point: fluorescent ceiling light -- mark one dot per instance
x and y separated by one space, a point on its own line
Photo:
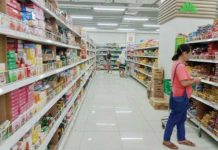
151 25
125 29
89 28
107 24
108 9
135 19
158 30
82 17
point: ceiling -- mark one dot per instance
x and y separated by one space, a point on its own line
133 8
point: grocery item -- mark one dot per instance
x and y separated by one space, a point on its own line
2 74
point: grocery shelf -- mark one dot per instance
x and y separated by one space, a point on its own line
14 138
142 64
60 119
15 85
203 41
200 126
109 50
143 73
70 126
24 36
91 50
155 57
204 60
193 119
101 54
210 82
208 103
147 48
52 14
139 81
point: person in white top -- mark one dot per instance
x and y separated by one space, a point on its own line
122 63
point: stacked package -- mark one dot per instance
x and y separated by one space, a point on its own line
34 17
156 92
157 83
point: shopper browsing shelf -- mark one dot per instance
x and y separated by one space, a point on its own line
108 61
179 99
122 64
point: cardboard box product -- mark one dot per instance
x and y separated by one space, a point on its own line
157 94
158 74
159 103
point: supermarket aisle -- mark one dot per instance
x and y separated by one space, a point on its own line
117 116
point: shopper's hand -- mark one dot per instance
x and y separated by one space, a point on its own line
197 80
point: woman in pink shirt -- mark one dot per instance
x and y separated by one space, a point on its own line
179 99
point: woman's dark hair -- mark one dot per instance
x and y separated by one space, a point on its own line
181 49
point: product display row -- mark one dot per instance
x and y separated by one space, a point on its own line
204 64
143 66
40 96
142 60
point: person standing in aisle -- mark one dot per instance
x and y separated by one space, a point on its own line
179 99
122 64
108 61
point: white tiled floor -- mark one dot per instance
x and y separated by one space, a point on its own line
116 115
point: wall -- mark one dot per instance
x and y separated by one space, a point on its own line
142 36
102 37
112 37
168 33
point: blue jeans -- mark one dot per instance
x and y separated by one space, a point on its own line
178 115
178 120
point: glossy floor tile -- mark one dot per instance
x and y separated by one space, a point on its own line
116 115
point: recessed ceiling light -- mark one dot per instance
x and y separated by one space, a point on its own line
151 25
82 17
108 9
107 24
135 19
89 28
125 29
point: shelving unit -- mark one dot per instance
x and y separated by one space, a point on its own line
141 82
101 53
204 105
63 114
72 60
137 66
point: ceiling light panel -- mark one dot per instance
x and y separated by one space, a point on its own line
126 29
107 24
82 17
89 28
151 25
135 19
109 9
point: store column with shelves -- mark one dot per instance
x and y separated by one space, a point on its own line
43 73
142 60
171 25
